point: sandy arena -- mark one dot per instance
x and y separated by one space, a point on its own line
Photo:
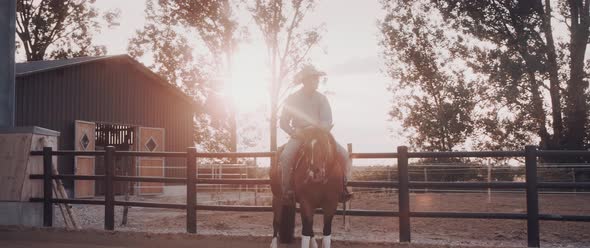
376 230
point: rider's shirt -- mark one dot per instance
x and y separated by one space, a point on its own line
302 110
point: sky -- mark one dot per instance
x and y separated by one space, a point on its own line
349 53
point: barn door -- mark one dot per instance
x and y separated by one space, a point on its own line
150 140
84 165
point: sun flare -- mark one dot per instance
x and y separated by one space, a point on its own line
247 86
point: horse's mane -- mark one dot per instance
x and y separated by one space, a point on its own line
324 137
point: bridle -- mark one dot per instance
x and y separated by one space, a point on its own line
316 167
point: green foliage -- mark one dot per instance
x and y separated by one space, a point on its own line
518 64
212 20
520 83
163 42
432 95
170 52
59 29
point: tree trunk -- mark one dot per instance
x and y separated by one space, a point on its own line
538 112
233 126
273 99
576 99
34 55
552 68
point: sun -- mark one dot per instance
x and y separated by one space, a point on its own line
247 85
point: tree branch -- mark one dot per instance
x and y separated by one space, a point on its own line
290 31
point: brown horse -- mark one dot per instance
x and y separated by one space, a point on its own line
318 183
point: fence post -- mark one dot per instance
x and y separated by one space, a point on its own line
109 195
347 220
425 178
191 191
219 173
403 194
47 187
349 147
574 178
532 197
489 181
255 186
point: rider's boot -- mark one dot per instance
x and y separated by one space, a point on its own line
346 194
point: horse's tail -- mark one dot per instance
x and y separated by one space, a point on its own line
287 230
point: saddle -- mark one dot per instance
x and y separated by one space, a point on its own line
298 159
275 172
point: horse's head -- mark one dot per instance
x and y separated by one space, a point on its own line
319 150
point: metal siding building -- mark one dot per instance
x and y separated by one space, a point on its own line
107 89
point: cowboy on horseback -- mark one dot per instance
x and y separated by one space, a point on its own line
303 109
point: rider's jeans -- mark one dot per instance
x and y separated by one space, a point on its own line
287 161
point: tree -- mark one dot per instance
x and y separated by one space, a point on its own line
433 98
288 45
171 53
60 29
577 96
510 50
218 29
524 30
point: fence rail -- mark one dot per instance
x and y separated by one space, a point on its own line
403 185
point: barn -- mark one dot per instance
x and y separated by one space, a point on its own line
95 102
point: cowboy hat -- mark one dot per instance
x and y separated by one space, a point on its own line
306 72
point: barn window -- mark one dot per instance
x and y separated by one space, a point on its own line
117 135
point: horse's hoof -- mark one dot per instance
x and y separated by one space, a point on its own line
273 243
305 241
313 242
327 241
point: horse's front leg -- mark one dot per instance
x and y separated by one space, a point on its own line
276 222
307 223
327 240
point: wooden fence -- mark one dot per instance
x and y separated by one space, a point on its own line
531 185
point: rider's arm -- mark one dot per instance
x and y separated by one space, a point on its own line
325 114
285 119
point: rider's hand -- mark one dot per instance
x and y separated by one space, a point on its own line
298 133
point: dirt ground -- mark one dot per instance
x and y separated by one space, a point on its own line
18 237
429 231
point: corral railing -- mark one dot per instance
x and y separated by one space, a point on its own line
532 215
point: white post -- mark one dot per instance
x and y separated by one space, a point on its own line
389 176
220 176
256 195
240 186
255 186
212 187
489 180
425 178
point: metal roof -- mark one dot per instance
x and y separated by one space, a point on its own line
33 67
27 68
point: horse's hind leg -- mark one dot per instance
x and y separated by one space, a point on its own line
327 240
